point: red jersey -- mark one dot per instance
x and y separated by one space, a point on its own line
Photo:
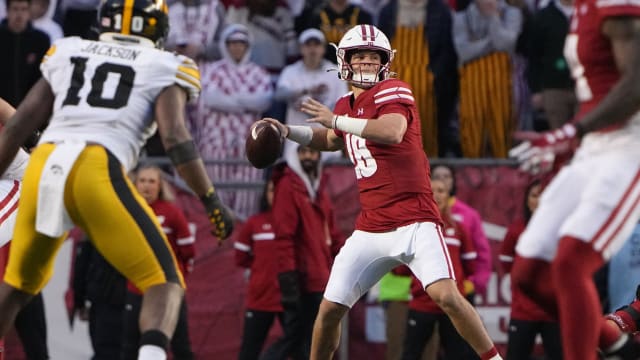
393 179
589 52
176 228
463 255
522 307
255 249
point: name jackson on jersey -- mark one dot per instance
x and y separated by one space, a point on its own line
118 52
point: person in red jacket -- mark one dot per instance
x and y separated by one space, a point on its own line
424 313
308 239
254 249
148 180
528 319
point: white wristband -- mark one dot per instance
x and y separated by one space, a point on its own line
300 134
348 124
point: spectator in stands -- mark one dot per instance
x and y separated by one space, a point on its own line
421 32
424 313
99 296
151 186
42 22
271 25
523 109
23 48
196 26
471 221
549 78
373 7
296 6
528 320
308 240
79 17
485 36
255 249
308 77
334 19
235 92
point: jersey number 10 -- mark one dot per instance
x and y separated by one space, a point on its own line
95 97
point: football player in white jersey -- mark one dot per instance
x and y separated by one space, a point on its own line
102 100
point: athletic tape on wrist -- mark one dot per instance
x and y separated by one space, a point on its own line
300 134
348 124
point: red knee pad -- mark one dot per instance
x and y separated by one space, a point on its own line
627 318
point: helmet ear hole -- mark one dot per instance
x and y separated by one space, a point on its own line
347 56
384 57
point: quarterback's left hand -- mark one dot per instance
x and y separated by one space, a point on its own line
538 151
321 113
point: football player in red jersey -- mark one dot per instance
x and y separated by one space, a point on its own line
399 223
592 205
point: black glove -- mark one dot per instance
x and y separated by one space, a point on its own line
289 282
219 216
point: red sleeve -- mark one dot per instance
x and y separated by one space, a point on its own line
611 8
393 92
467 251
244 244
185 241
508 248
286 221
395 108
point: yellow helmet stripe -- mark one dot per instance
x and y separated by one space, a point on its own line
127 13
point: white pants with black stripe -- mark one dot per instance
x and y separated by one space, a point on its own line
367 256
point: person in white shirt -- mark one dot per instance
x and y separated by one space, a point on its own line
310 77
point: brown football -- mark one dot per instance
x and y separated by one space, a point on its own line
263 145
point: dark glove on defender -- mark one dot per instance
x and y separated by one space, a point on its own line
219 215
289 282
